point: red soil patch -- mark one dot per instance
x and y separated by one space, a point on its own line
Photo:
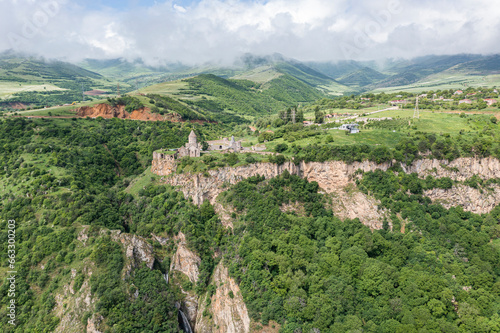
95 92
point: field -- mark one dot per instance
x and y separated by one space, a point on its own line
55 111
310 114
336 89
7 89
260 74
444 81
390 132
165 88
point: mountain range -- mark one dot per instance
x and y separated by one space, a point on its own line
266 83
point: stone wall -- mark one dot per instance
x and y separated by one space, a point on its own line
163 165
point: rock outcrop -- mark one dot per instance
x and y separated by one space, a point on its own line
107 111
94 322
187 262
137 250
229 312
334 176
471 199
202 188
350 203
459 169
72 304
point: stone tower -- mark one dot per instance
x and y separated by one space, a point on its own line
192 148
192 138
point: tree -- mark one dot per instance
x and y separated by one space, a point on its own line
299 118
318 116
281 148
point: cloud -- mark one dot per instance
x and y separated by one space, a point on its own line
180 9
220 30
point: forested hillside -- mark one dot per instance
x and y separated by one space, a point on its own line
57 176
244 97
82 196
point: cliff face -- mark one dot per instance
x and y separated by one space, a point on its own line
107 111
229 312
459 169
137 250
71 305
334 176
163 167
350 203
202 188
471 199
185 260
188 263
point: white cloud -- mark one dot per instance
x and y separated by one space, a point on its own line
180 9
220 30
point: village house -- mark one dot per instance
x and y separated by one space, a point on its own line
490 101
398 102
466 101
352 128
458 92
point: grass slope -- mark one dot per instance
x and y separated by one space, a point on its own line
214 94
39 82
363 77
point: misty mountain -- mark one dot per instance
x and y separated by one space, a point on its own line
363 77
16 67
483 65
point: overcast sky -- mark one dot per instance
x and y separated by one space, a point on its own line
191 31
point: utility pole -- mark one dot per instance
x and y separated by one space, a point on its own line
416 113
293 115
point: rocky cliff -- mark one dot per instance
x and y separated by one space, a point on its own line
479 201
137 250
228 311
187 262
334 176
107 111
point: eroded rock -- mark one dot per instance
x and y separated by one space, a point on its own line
229 312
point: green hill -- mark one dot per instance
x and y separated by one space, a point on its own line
39 82
408 72
363 77
336 70
487 65
214 96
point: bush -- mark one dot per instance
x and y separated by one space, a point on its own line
282 147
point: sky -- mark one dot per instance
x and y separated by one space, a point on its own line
220 31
